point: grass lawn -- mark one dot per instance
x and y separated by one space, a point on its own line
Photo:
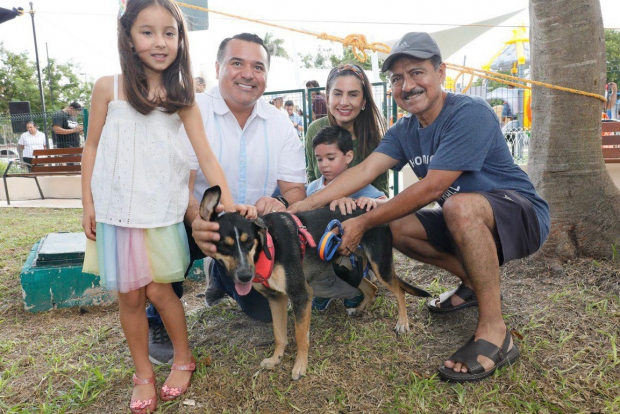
566 324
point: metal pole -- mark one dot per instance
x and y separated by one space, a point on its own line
49 74
36 52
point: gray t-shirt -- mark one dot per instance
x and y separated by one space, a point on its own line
466 136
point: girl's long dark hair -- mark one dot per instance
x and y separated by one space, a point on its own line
177 79
369 125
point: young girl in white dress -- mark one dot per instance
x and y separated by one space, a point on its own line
135 192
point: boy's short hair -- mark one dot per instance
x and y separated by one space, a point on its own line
289 103
334 135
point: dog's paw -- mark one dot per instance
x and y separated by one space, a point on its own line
270 363
299 370
402 327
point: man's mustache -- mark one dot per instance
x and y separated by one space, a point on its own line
406 95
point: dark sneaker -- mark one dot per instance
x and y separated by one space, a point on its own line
321 304
213 294
354 302
161 351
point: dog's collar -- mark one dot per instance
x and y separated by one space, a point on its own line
264 266
304 236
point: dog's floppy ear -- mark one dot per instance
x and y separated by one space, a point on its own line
262 235
210 199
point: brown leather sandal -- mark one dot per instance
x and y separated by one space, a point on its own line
445 305
468 355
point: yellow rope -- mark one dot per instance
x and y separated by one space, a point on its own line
519 82
357 42
359 45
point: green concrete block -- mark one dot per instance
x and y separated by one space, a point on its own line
52 275
196 272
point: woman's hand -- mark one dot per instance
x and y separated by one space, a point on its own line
345 204
246 210
366 203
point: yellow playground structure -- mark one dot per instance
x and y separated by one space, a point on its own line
514 56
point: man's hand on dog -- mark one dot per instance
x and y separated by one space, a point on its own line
205 232
353 230
266 205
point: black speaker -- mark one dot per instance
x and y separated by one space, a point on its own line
20 115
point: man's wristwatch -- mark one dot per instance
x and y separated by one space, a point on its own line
282 200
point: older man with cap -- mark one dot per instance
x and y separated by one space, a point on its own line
487 213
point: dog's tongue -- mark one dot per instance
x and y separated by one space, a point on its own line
243 288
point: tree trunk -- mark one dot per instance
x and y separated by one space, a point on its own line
566 164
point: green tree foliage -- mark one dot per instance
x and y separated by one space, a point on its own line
274 46
612 54
322 59
327 59
349 57
19 82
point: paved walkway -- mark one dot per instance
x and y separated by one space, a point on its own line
47 203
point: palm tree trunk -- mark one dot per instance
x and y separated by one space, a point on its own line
566 164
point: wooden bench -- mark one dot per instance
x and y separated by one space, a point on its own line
45 162
610 142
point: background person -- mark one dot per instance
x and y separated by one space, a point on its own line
612 97
296 120
278 102
319 104
507 115
259 152
200 84
66 130
29 141
489 210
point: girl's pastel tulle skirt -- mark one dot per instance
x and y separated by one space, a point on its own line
130 258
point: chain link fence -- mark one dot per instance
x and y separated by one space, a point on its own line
514 120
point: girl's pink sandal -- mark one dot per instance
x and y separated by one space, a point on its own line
143 406
171 393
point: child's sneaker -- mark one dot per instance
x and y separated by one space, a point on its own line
354 302
320 304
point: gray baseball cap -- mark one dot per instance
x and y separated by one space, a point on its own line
419 45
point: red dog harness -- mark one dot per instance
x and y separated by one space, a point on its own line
264 266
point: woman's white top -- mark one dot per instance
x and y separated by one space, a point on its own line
141 173
31 142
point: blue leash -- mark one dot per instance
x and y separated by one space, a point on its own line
329 243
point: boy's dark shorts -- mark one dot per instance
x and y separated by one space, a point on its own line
515 220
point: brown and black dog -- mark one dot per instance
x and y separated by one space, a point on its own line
242 241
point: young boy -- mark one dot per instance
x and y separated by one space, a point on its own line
333 149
